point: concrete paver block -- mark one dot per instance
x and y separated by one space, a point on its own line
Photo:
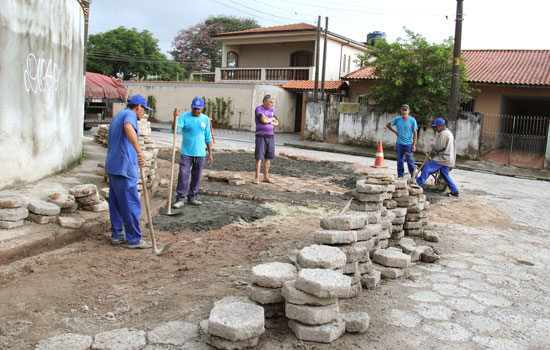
391 258
236 321
344 222
13 214
408 225
8 225
415 208
414 232
396 228
385 234
61 199
371 197
414 251
371 279
407 241
363 187
355 290
431 236
67 341
390 204
40 207
69 222
356 322
365 206
400 193
323 283
389 272
70 209
86 200
296 296
334 237
321 257
355 253
326 333
350 268
365 267
8 201
399 212
83 190
119 339
415 190
273 275
221 343
104 192
368 232
312 315
173 333
97 206
406 201
264 295
400 184
42 219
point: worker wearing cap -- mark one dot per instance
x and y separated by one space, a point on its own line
196 137
406 130
445 156
121 164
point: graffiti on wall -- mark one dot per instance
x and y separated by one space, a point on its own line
41 75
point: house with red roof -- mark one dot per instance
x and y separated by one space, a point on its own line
513 98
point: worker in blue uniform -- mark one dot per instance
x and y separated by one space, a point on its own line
123 156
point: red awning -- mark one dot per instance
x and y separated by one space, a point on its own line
101 86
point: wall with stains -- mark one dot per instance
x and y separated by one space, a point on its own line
366 128
42 88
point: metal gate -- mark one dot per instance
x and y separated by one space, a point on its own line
515 140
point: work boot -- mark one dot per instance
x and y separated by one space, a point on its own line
117 241
194 202
178 205
453 194
141 245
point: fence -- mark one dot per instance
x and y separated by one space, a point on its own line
515 140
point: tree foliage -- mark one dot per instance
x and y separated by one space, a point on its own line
129 53
415 72
194 47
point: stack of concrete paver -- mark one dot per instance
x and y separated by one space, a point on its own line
88 198
266 286
391 262
101 135
42 212
355 233
235 325
68 204
413 225
312 303
13 211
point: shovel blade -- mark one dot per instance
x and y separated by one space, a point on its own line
164 249
170 212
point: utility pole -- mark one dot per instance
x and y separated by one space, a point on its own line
324 60
455 78
316 83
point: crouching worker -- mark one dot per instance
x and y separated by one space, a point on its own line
445 156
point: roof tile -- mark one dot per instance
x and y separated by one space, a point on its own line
514 67
285 28
330 85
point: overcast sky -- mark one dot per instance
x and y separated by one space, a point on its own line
488 24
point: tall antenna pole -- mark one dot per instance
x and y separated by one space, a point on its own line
316 83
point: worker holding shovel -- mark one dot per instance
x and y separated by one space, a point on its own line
196 137
121 164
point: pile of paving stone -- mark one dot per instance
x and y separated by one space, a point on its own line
102 134
87 198
68 204
13 211
235 325
42 212
267 284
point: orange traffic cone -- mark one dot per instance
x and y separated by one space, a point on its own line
379 161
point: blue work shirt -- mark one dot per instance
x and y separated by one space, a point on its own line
405 129
121 155
195 133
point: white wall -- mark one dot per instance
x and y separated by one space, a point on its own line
245 98
367 128
42 88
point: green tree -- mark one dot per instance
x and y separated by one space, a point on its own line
415 72
129 53
194 47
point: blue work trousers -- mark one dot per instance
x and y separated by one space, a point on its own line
188 165
401 150
124 208
431 167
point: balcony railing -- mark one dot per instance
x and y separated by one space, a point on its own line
282 74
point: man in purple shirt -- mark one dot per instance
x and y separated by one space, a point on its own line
265 141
